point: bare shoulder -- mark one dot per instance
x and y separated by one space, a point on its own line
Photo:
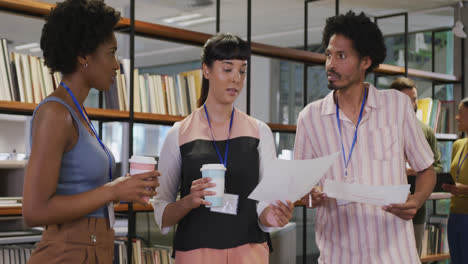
53 117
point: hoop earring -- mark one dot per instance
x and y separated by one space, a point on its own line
85 66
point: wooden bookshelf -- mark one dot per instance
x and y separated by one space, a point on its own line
16 210
13 164
150 30
10 210
282 128
122 207
446 137
439 195
435 257
8 107
432 76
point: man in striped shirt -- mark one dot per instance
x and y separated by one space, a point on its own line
377 131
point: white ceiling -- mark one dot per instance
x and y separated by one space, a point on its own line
275 22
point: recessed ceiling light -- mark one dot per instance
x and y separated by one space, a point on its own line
35 49
27 46
197 21
184 17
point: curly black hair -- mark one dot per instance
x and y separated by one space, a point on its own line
365 35
75 28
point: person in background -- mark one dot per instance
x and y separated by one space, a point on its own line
217 132
408 87
68 186
376 132
457 228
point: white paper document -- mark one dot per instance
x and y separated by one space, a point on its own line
363 193
291 179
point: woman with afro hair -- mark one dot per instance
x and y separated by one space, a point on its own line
68 184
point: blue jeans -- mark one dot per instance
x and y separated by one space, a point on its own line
457 232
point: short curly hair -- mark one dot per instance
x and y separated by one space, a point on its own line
365 35
75 28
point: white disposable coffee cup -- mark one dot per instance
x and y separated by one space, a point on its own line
142 164
216 172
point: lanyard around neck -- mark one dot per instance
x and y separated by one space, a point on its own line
86 118
214 142
346 162
459 159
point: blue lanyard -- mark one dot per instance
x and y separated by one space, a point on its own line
214 142
86 118
355 132
460 165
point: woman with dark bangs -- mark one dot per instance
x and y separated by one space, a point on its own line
217 132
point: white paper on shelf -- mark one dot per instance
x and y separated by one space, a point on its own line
291 179
363 193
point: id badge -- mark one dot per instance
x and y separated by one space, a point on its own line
110 210
230 202
340 202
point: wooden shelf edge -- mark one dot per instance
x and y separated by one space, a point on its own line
26 7
39 9
433 76
11 211
282 128
10 107
110 114
13 164
122 207
443 136
435 257
157 118
439 195
16 107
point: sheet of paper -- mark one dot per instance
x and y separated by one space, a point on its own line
291 179
363 193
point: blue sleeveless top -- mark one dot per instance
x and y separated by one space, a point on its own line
86 166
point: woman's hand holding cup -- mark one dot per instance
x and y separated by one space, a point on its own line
197 192
135 188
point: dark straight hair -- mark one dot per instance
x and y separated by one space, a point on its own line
221 46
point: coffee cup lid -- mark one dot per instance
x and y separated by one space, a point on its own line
142 159
216 166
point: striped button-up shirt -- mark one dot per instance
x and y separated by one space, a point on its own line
388 136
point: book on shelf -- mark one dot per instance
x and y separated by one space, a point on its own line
5 77
445 149
15 254
437 114
156 254
424 110
24 78
435 236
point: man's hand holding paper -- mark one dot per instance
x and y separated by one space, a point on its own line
382 195
290 179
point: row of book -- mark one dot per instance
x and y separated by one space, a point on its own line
438 114
25 78
435 236
19 254
16 254
157 94
153 255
